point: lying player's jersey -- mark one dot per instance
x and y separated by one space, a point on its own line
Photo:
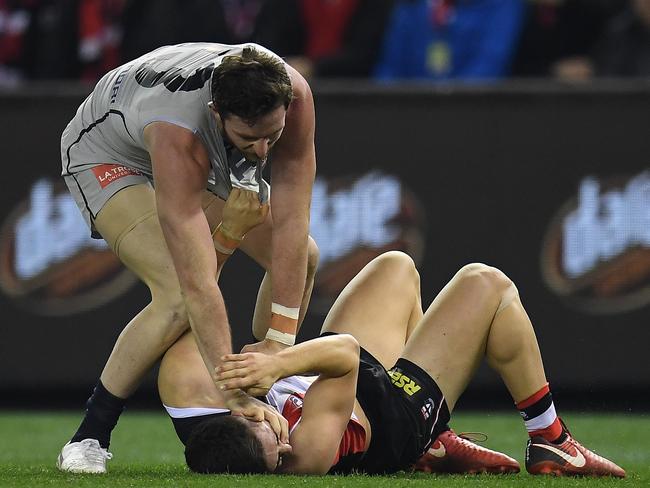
286 396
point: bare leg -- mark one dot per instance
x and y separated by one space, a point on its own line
380 306
478 313
129 224
183 379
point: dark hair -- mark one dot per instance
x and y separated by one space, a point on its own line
224 444
250 85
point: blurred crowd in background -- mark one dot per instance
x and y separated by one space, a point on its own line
437 40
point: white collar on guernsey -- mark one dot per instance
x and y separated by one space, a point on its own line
188 412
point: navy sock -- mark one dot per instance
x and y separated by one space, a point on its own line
103 409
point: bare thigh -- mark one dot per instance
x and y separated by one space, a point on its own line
129 224
257 243
449 342
183 380
378 306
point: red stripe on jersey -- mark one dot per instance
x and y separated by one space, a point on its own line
354 437
353 441
292 409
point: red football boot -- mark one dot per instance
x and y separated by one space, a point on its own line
451 453
569 458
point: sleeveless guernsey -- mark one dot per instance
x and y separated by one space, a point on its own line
171 84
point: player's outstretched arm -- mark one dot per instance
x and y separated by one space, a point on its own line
180 166
293 170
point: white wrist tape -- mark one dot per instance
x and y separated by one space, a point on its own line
282 337
291 313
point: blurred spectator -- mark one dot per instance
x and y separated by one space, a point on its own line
559 36
58 39
625 47
38 39
149 24
14 21
99 36
325 38
450 39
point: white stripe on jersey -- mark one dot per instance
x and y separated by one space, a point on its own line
276 397
187 412
282 389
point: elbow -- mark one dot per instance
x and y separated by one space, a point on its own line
350 350
350 343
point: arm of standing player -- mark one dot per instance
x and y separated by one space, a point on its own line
292 174
180 167
328 402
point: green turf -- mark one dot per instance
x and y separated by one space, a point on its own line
147 453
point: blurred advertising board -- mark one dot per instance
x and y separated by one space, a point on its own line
551 186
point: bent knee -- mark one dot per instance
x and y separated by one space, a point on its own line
400 265
489 278
397 259
172 318
313 256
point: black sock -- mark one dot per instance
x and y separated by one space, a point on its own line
103 409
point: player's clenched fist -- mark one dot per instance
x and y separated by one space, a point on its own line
242 212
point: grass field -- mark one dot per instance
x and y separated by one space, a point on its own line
147 453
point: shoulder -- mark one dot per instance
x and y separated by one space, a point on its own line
163 135
301 111
300 86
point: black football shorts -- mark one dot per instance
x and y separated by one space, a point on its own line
406 410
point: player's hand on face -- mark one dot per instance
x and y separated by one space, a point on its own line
243 212
265 347
251 372
239 403
278 423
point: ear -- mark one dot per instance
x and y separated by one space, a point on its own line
215 113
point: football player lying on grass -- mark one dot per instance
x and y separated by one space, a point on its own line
386 378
